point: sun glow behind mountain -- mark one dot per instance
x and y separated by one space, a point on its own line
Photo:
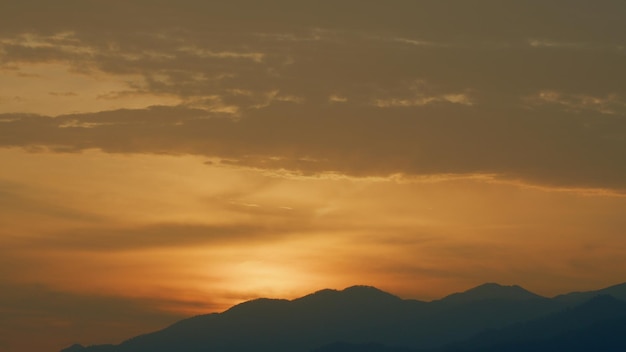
166 159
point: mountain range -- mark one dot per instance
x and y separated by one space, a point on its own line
490 317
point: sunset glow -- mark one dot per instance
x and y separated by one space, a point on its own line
165 159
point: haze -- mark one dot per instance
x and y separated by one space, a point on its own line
160 159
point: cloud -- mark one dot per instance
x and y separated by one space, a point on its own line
201 50
301 90
421 100
544 146
63 94
101 239
334 98
19 201
579 103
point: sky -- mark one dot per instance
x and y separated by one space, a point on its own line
161 159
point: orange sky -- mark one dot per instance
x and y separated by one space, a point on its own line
164 160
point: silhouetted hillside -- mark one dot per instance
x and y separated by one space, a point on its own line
617 291
491 291
604 336
74 348
365 347
598 311
367 319
98 348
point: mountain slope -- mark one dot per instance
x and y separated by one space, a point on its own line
596 325
364 347
617 291
588 320
491 291
604 336
280 325
358 316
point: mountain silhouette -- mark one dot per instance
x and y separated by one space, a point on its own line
365 347
617 291
98 348
279 325
363 318
596 325
595 322
491 291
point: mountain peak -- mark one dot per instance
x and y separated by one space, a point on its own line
362 289
491 290
358 293
362 314
257 306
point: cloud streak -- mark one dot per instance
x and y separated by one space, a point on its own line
159 236
548 147
315 94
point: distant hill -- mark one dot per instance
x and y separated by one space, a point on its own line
491 291
74 348
98 348
365 347
554 329
617 291
596 325
366 319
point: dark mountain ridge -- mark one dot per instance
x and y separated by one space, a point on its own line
357 316
491 291
582 318
596 325
617 291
